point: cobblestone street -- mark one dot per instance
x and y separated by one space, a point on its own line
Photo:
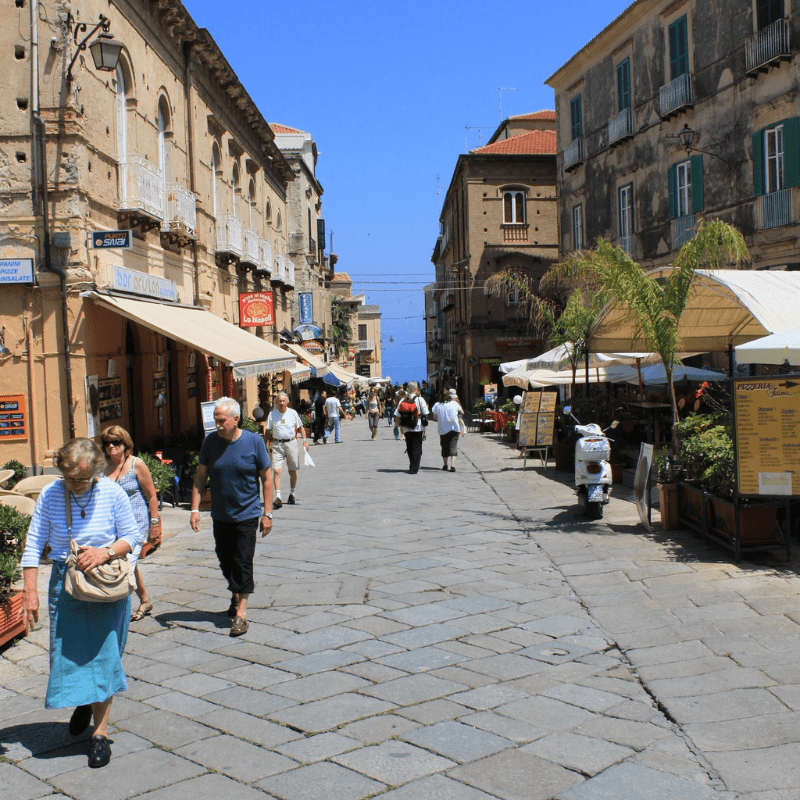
460 636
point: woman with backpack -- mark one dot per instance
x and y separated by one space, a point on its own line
411 415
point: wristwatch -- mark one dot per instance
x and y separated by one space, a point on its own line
154 520
111 553
267 515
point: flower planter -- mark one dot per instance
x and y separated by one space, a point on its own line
511 434
690 507
668 505
11 623
757 524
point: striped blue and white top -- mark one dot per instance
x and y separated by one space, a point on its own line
108 517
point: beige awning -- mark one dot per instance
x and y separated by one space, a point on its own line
199 329
318 365
726 307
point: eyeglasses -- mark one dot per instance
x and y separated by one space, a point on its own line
76 479
113 442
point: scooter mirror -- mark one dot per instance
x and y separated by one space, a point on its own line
567 410
615 423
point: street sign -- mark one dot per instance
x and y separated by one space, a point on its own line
117 240
16 270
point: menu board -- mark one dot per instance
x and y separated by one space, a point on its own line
13 418
767 413
538 419
109 393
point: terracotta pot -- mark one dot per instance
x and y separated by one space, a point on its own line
668 504
11 625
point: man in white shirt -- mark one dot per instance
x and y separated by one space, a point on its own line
413 433
333 412
282 425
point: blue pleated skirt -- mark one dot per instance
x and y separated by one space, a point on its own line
86 644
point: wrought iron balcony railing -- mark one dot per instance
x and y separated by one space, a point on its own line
768 45
573 153
676 95
620 126
141 186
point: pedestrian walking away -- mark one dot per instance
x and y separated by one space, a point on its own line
283 425
86 638
449 416
239 467
333 414
412 417
374 412
134 477
389 401
318 425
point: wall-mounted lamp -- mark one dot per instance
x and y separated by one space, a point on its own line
4 351
105 49
686 137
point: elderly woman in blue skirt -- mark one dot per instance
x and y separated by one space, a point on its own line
86 639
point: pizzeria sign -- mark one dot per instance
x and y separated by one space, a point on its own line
256 309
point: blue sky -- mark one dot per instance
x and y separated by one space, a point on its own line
387 91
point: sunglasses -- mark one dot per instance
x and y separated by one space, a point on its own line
114 442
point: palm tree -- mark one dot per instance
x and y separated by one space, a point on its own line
655 305
341 332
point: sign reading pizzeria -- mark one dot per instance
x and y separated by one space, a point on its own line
256 309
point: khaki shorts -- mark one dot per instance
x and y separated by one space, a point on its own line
287 453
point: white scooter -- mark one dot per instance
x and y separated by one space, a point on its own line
592 468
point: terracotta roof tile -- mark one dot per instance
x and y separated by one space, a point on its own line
278 128
341 276
531 143
547 113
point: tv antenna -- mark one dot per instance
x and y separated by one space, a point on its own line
500 97
478 128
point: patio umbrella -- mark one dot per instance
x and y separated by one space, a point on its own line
774 349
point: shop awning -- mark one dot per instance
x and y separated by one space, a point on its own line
318 366
201 330
300 373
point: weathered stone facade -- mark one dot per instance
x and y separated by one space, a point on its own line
724 68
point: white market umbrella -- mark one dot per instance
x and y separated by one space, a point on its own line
776 348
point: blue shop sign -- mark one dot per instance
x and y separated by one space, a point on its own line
306 307
118 240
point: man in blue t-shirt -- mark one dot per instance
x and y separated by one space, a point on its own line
238 465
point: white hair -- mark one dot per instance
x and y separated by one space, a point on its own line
413 387
229 406
282 394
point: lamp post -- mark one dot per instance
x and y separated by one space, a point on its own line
686 137
105 49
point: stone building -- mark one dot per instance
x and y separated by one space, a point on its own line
678 111
169 146
363 354
499 213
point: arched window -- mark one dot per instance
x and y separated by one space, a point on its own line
164 141
122 113
278 221
514 207
268 212
216 167
235 191
251 206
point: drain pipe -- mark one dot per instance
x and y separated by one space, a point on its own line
188 85
40 147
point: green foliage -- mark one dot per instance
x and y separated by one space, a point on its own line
480 405
20 472
706 450
162 474
192 460
13 530
341 332
509 408
248 424
306 420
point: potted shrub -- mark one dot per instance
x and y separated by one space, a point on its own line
13 529
667 494
20 472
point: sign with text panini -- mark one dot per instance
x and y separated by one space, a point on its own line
256 309
16 270
13 418
767 414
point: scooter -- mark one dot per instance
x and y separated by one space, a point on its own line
592 469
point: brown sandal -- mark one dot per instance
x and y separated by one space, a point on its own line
143 611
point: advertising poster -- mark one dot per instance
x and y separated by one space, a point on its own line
531 403
306 300
256 309
548 404
109 392
490 392
13 418
767 413
544 429
527 430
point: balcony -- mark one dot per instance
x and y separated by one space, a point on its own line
265 256
515 233
289 283
573 153
251 253
229 237
682 230
627 243
279 272
768 45
181 217
675 95
620 126
366 345
773 210
449 299
141 187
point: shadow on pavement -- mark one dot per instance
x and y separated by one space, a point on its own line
219 620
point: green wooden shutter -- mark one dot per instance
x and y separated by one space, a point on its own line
697 184
672 187
678 48
791 152
758 163
576 117
624 85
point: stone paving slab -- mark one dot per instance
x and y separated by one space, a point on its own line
485 641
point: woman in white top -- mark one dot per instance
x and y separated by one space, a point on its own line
374 411
450 418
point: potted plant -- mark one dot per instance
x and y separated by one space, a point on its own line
13 529
667 493
511 430
20 472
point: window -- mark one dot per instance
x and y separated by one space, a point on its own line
362 332
767 12
576 117
235 191
776 157
122 114
577 227
624 85
625 209
678 48
216 162
685 181
164 141
513 208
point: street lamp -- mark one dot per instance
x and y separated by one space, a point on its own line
105 49
686 137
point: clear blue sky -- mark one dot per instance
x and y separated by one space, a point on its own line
386 90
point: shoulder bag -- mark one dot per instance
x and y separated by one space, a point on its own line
106 583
